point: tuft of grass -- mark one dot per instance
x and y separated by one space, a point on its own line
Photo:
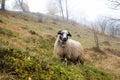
44 66
1 21
98 50
32 32
31 55
6 32
91 73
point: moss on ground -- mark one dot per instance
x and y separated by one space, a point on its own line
26 50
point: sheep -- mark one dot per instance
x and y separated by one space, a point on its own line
68 49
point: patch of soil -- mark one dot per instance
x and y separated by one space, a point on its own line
113 51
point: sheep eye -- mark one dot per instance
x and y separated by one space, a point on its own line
62 33
68 34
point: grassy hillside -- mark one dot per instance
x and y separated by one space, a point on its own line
26 50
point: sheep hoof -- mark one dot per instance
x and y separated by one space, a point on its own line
82 62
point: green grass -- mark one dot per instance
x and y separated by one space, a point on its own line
26 51
22 66
44 66
6 32
3 20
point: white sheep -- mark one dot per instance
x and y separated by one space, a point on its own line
68 49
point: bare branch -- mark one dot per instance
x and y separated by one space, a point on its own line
20 4
95 33
67 16
115 4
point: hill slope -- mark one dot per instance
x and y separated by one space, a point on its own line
26 45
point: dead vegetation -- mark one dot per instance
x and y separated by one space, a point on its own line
32 43
113 51
107 43
1 21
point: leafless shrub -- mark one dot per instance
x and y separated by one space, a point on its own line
95 33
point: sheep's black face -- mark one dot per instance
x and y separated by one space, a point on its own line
64 36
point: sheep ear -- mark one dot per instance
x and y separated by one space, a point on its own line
59 32
69 34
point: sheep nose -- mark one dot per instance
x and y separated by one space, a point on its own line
64 39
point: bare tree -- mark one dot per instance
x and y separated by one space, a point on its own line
2 4
61 8
112 30
102 23
52 8
114 25
67 16
20 4
95 33
114 4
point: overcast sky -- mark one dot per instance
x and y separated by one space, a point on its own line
78 9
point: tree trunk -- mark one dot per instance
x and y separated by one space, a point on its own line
61 8
66 10
96 37
3 5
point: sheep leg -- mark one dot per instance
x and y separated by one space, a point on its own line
64 60
77 62
81 60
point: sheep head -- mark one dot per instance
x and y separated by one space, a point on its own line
63 36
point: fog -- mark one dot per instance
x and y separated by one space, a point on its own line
79 10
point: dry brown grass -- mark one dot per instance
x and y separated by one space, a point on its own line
24 40
107 62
